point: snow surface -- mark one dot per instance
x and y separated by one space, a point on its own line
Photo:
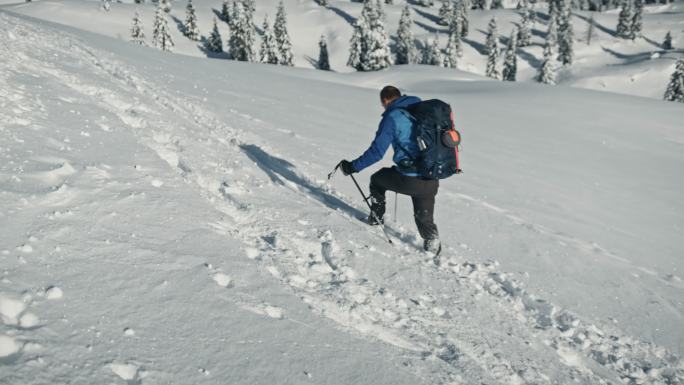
609 64
185 200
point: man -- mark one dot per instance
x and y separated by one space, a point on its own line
396 129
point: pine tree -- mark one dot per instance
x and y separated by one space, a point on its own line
161 38
492 42
225 11
286 57
547 71
667 43
566 38
675 89
241 42
492 50
380 10
462 15
426 3
369 43
453 49
214 43
552 33
190 27
591 30
137 32
524 37
637 20
269 46
405 49
510 67
445 12
323 61
497 4
166 5
106 5
432 55
624 26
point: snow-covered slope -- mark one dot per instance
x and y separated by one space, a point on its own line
608 64
166 219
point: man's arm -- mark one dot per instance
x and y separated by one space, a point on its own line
377 149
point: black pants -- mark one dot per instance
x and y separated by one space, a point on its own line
422 192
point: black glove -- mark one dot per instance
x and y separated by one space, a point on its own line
347 167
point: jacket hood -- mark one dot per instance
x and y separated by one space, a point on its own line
401 102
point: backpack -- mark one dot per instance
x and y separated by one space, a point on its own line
437 138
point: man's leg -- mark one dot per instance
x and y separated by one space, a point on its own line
423 211
383 180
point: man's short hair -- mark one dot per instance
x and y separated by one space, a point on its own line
390 93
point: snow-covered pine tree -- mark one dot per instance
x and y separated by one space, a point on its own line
432 55
106 5
624 26
390 2
269 47
166 5
380 9
524 37
446 12
675 89
406 48
137 32
161 38
552 33
492 42
591 30
286 57
510 66
547 71
225 11
323 61
553 10
497 4
453 49
533 13
566 39
241 42
462 14
637 20
369 49
190 27
425 3
667 43
492 50
214 43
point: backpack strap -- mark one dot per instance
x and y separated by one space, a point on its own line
407 114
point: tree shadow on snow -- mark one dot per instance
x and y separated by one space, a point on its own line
280 170
479 47
430 28
347 17
598 26
179 24
426 15
529 58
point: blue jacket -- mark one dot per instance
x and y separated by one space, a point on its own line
396 129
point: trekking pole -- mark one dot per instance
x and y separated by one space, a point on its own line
395 207
382 225
375 217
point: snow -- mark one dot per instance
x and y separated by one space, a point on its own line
201 220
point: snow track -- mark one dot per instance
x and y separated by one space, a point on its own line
472 321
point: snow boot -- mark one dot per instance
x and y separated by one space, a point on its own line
432 246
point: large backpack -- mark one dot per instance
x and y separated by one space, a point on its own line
437 139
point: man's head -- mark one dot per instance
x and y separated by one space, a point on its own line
388 95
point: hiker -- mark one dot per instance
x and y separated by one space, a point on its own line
396 128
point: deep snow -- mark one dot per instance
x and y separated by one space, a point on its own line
166 219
